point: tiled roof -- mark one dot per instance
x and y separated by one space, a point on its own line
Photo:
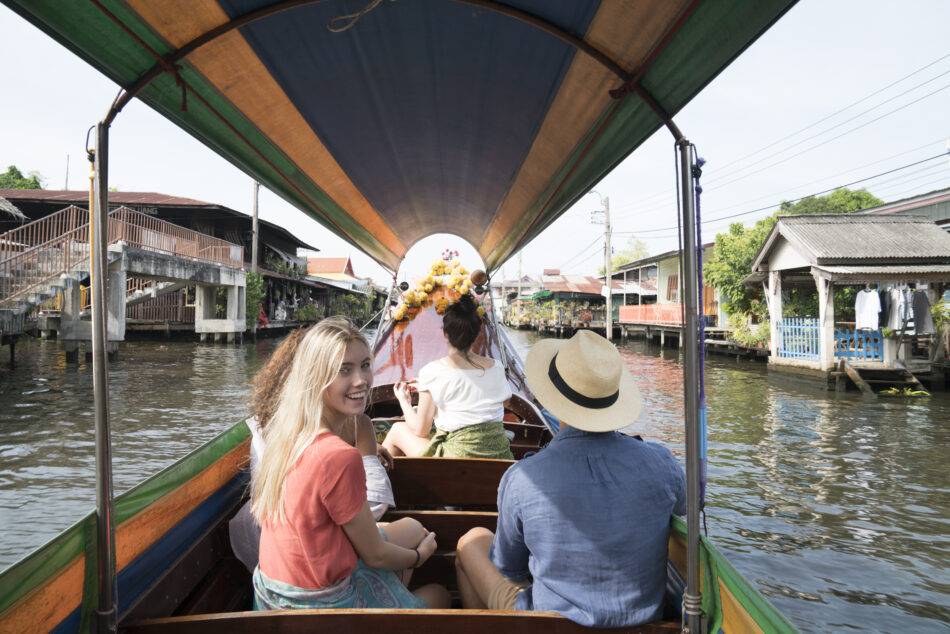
322 266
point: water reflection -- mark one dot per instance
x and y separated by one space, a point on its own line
166 400
835 507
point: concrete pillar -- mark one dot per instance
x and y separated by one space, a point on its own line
774 297
205 297
115 313
72 351
826 322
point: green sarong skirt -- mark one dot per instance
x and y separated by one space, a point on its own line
485 440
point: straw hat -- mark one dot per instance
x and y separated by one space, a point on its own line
582 381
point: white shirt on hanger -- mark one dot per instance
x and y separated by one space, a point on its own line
867 307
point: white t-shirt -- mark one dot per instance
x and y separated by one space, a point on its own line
867 308
465 397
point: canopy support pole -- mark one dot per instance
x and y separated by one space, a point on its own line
107 612
692 598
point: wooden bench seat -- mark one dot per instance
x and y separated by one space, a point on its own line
440 482
388 621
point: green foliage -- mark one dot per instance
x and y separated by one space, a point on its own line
356 307
634 250
940 311
253 296
307 312
732 258
744 334
277 265
14 179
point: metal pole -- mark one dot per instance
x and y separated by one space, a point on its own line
106 620
257 188
609 319
518 298
692 599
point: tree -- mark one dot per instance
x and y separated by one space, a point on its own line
732 258
634 250
14 179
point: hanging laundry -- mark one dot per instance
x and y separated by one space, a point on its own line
885 298
867 307
895 320
923 320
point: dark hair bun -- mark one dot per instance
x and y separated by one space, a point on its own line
466 302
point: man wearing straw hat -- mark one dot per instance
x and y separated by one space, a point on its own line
583 525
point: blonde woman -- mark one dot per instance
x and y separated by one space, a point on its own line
320 546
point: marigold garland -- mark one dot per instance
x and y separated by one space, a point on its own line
448 273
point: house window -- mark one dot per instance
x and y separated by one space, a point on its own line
672 288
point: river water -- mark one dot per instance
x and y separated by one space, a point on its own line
835 507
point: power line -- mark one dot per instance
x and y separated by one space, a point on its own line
646 210
584 249
865 98
794 200
848 107
834 138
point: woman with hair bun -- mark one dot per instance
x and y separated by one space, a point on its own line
462 394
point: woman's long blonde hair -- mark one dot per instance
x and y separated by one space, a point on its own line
299 412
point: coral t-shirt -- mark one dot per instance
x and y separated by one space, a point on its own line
324 490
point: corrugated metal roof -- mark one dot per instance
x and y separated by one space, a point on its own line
115 198
866 240
912 202
572 284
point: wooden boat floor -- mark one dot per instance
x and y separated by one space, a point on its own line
389 621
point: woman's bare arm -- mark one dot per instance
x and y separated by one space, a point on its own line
418 419
377 552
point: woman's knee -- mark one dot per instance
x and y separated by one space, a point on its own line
435 596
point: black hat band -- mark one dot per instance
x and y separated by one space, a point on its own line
576 397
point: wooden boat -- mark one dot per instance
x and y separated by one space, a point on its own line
386 122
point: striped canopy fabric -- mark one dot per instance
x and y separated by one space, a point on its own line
390 120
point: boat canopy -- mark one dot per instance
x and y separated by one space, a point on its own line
388 121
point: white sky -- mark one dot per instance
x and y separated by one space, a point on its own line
874 73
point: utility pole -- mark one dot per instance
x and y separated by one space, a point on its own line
608 272
257 188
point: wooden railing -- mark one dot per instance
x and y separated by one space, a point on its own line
670 314
43 249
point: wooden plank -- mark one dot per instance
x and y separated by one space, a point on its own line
447 481
855 376
447 525
389 621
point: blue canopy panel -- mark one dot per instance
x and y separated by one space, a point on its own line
430 106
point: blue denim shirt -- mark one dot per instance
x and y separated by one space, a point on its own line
588 520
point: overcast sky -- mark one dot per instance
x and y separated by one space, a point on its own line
838 91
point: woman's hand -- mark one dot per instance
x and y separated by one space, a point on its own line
403 393
426 547
385 458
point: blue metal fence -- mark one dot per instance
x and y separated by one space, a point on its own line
798 338
858 346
